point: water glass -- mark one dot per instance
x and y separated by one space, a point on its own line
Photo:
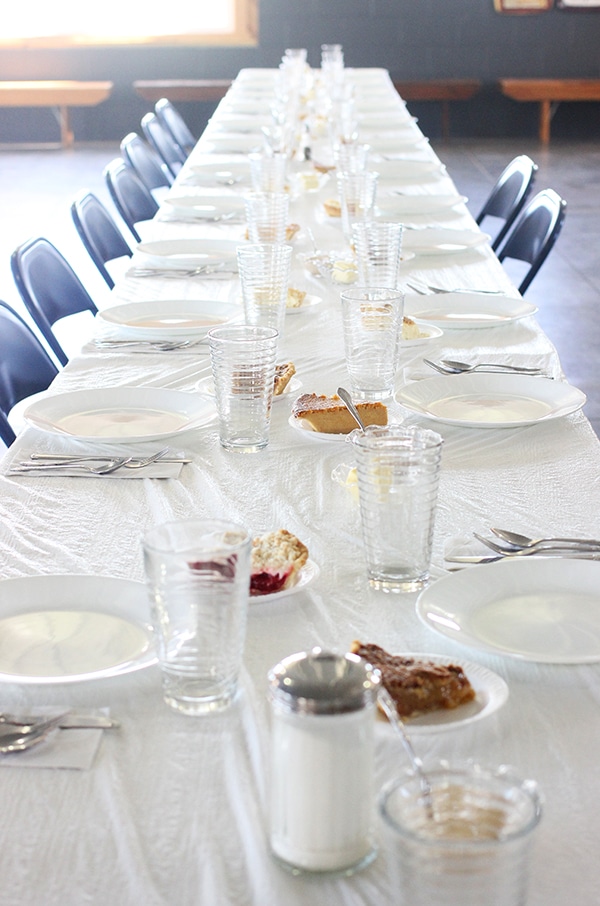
267 216
243 366
264 271
198 575
398 470
357 198
351 157
372 325
377 247
268 171
476 848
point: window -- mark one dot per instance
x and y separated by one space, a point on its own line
77 23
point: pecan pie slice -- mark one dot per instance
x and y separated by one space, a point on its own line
417 686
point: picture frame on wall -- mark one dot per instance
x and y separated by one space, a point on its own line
578 4
523 6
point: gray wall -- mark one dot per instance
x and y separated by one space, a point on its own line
413 39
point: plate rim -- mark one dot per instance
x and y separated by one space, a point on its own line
524 564
146 659
476 324
507 379
502 690
166 305
94 391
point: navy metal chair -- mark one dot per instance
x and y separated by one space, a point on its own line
99 233
132 199
163 143
146 162
49 287
509 194
173 121
25 366
534 233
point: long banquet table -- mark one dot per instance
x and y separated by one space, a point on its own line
174 809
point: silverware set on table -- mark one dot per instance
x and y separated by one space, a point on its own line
508 545
449 366
92 463
21 732
153 345
205 270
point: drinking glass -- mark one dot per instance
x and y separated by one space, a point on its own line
198 575
372 324
377 247
264 271
243 366
267 216
357 198
476 848
398 470
268 171
351 157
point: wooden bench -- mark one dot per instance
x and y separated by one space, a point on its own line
59 95
442 90
548 93
183 89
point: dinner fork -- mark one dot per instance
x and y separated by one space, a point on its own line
158 345
205 270
105 469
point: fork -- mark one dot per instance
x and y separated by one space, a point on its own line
105 469
205 270
160 346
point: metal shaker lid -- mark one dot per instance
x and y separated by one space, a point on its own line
322 682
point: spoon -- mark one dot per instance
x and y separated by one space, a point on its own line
26 736
531 551
347 400
524 542
465 367
387 705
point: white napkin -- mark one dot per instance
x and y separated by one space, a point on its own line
73 749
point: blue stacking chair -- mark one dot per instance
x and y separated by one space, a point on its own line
99 233
534 233
510 193
173 121
132 199
163 143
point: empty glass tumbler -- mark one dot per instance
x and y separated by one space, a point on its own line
398 470
372 326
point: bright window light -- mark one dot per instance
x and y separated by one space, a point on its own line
72 23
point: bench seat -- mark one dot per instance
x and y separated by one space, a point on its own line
443 90
59 95
549 93
183 89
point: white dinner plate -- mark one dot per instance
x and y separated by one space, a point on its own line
490 400
206 386
120 414
545 610
233 144
440 241
165 318
179 253
67 629
467 311
491 692
205 207
393 142
307 574
222 168
399 171
418 204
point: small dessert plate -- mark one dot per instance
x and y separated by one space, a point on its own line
309 301
206 387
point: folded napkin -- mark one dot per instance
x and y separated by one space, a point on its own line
72 749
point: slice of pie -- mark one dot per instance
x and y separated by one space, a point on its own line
417 686
328 414
284 372
276 560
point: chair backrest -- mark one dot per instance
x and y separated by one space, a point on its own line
131 198
535 231
49 287
99 233
163 143
173 121
509 194
25 366
146 162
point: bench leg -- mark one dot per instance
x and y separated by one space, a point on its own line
545 117
66 136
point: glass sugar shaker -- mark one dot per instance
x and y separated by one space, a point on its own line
322 772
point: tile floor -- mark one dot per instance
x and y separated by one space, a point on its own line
37 187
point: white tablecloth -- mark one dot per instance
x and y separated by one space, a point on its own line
174 809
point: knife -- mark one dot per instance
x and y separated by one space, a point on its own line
567 553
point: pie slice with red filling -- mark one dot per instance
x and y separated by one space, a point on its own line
276 560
